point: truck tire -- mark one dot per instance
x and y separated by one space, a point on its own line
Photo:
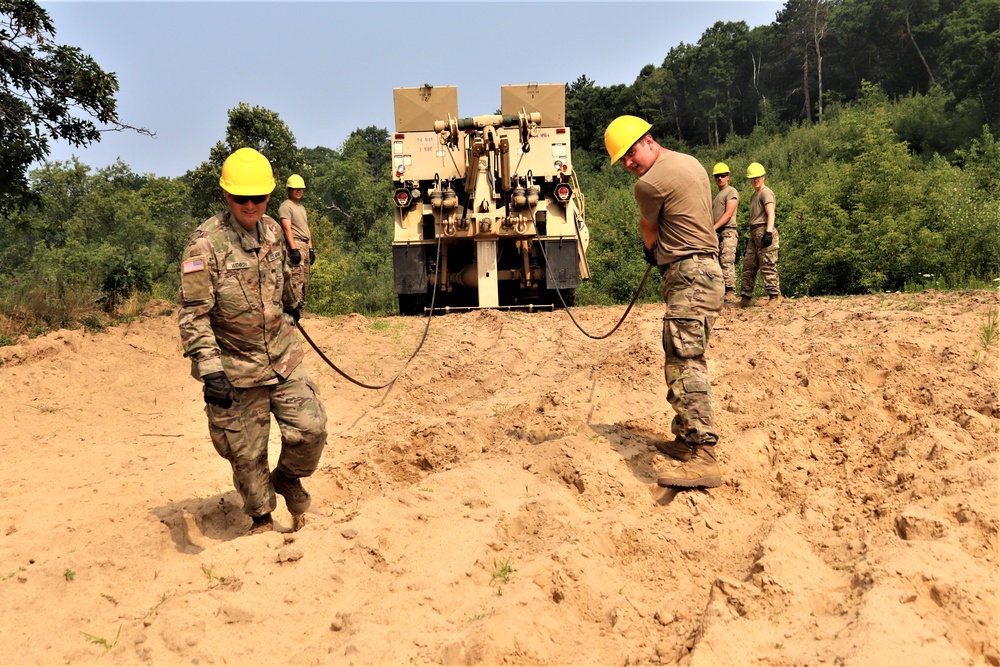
568 295
412 304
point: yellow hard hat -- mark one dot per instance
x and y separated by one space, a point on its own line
720 168
755 169
622 133
247 172
295 182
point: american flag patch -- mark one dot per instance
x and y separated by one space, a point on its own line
192 265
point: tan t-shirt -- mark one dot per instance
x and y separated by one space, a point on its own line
719 206
289 210
676 193
758 215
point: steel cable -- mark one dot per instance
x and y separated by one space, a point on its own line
430 314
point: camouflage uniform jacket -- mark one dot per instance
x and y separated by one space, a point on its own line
234 286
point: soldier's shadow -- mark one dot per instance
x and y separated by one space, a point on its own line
197 523
642 451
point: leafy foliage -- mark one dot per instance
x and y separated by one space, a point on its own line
876 121
47 91
249 127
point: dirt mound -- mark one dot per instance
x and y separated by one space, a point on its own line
498 503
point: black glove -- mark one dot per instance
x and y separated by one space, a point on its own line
312 256
292 315
650 255
295 255
218 390
765 240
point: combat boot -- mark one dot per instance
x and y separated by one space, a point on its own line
297 499
261 524
774 301
675 449
730 296
702 471
746 302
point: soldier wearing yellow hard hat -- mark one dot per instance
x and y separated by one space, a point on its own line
236 315
762 245
724 208
675 208
295 224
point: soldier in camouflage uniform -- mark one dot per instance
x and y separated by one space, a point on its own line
724 207
762 245
237 315
675 205
298 238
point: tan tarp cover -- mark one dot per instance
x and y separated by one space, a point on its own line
418 108
549 99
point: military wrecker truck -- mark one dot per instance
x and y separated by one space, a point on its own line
489 212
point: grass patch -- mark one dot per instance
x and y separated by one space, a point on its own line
988 329
92 323
502 571
101 641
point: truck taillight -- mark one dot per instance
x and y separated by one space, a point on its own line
400 170
403 198
563 192
561 166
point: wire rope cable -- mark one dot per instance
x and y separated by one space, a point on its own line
635 298
430 314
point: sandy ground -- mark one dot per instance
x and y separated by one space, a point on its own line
498 505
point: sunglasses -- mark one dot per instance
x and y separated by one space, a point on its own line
721 175
243 199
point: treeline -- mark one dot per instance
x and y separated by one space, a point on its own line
876 122
858 209
815 54
98 245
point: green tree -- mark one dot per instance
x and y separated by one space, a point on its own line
351 186
48 91
589 110
971 41
248 127
718 54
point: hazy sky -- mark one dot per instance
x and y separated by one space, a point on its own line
328 68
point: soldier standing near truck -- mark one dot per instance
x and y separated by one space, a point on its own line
675 205
236 316
295 225
724 211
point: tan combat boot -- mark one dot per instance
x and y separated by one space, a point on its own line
746 302
730 296
297 499
676 449
774 301
261 524
702 471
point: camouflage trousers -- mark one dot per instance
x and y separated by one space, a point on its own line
693 290
300 276
728 238
240 435
760 259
